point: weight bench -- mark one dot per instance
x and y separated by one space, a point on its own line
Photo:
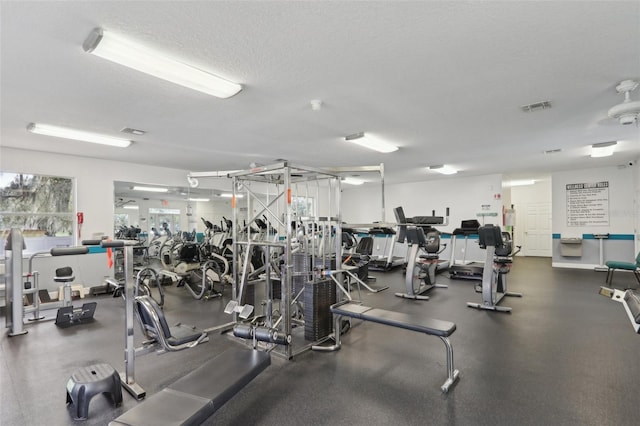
434 327
195 397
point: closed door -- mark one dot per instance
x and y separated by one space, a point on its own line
537 230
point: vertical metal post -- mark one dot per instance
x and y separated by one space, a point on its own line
13 280
128 379
286 279
234 245
382 183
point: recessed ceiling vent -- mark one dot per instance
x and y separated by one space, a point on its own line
553 151
133 131
536 106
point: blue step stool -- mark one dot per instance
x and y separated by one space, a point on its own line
89 381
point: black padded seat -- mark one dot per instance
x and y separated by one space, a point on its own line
195 397
397 319
155 327
434 256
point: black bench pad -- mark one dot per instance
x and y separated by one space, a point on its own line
396 319
193 398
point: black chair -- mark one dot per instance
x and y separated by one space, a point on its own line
156 329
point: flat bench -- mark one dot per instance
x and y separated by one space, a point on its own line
434 327
193 398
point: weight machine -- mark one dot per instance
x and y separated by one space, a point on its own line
17 289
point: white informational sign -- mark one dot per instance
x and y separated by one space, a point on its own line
588 204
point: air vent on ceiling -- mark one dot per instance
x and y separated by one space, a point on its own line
133 131
552 151
536 106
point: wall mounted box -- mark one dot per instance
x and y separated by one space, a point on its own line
571 247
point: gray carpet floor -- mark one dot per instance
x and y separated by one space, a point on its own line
564 356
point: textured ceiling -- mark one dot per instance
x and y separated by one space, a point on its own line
442 80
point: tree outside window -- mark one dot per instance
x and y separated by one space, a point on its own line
41 206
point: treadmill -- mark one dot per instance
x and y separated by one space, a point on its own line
461 269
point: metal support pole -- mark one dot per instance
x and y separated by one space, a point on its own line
13 262
128 376
452 373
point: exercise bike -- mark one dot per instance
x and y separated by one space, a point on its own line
497 265
422 261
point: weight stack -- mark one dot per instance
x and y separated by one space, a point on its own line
301 271
318 320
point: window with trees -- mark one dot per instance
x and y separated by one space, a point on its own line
41 206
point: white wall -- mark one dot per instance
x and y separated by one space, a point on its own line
623 215
94 180
621 204
465 197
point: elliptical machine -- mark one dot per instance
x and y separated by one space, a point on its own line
497 265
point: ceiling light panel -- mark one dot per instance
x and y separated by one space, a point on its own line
523 182
150 189
78 135
443 169
603 149
352 181
368 141
123 51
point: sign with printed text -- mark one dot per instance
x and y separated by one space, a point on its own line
588 204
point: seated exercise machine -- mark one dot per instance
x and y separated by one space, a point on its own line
422 260
69 315
194 397
629 299
160 337
464 269
158 332
21 287
497 266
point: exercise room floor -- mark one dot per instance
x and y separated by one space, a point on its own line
564 356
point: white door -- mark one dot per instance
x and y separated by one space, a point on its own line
537 230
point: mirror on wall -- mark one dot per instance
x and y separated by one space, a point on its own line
174 210
142 213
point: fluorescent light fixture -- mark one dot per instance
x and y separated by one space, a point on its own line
523 182
120 50
130 207
370 142
202 200
78 135
352 181
603 149
443 169
150 189
227 195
